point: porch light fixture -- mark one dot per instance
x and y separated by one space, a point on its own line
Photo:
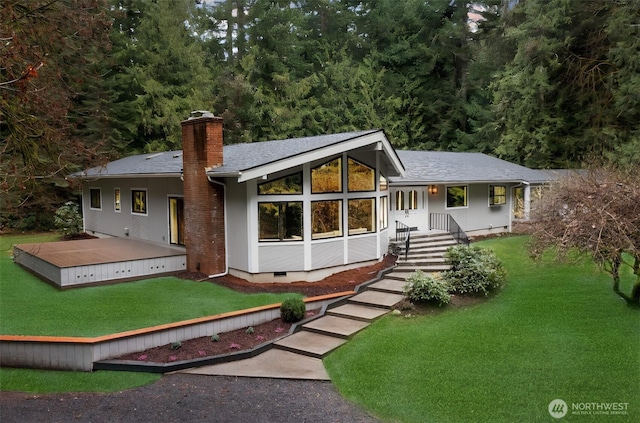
433 189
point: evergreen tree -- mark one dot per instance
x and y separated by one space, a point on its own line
570 90
158 72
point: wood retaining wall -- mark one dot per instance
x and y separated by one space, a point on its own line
79 353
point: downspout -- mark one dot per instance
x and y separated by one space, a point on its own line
226 251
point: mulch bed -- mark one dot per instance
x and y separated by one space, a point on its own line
245 338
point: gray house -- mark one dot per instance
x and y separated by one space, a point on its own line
296 209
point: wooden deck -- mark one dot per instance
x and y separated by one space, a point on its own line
67 263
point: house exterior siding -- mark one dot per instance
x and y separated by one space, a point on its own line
154 226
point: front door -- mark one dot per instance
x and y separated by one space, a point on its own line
409 206
176 220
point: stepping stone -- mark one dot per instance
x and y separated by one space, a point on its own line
272 364
388 285
309 343
377 299
335 326
358 312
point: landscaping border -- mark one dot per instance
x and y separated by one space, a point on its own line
80 353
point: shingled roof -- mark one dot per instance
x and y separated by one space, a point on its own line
237 157
434 167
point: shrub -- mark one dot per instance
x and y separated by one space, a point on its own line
292 310
423 287
176 345
215 337
473 270
68 219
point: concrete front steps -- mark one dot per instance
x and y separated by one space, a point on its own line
319 337
426 253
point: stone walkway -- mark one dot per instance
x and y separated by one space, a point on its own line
299 356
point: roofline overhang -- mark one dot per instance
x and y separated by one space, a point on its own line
320 153
450 182
127 175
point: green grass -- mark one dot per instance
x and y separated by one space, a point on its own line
29 306
49 381
555 331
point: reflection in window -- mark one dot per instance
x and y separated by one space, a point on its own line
280 221
497 195
413 199
290 184
360 177
399 200
326 219
457 196
362 216
383 221
139 201
327 177
95 198
384 184
518 202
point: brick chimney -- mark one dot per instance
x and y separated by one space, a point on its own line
202 146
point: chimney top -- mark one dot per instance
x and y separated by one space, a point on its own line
200 113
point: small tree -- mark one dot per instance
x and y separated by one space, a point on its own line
597 212
68 219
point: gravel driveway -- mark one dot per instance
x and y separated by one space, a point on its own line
191 398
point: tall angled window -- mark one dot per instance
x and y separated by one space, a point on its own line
95 198
362 216
139 201
280 221
497 195
327 177
360 176
326 219
456 196
290 184
384 183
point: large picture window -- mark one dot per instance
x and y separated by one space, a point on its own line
362 216
139 201
280 221
456 196
497 195
290 184
360 177
327 177
326 219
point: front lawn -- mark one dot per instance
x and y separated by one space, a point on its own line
29 306
557 331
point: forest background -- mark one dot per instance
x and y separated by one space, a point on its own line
543 83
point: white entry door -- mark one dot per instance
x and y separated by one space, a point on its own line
410 206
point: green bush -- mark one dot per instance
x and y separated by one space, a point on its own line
68 219
292 310
423 287
473 270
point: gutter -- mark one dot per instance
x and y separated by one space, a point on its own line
226 244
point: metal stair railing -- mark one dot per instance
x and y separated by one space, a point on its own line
446 222
402 228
